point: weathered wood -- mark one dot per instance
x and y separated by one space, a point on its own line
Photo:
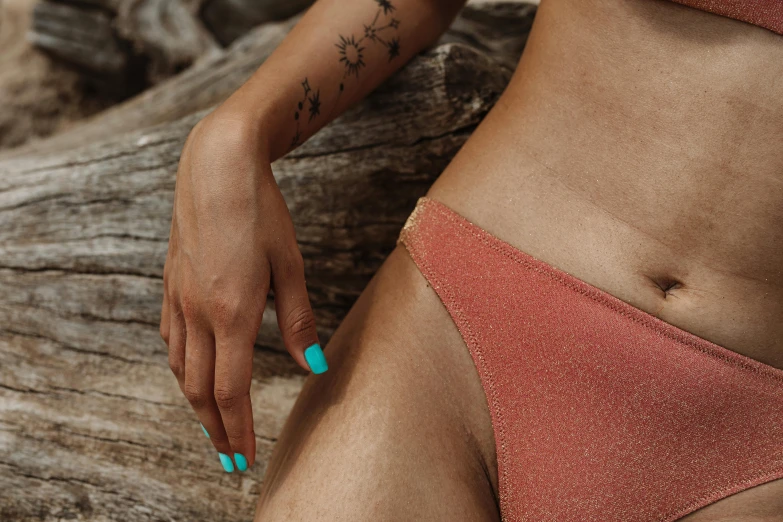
122 44
79 35
105 208
91 436
499 29
166 33
204 84
213 79
92 425
230 19
39 93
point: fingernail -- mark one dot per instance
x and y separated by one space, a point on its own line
204 429
226 461
241 461
315 359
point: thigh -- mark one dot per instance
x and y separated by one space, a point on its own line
398 428
763 503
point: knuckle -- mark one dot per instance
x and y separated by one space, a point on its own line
176 365
196 395
225 311
189 307
300 320
292 263
227 397
164 333
237 440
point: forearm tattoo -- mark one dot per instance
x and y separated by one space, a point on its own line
383 30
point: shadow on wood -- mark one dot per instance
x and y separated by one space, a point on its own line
92 424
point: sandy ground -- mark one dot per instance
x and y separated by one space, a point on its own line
37 95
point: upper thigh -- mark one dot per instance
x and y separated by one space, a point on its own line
398 428
762 503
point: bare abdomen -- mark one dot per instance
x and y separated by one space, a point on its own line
639 147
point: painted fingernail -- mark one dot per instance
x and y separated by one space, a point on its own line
315 359
204 429
241 461
226 461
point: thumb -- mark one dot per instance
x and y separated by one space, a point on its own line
294 313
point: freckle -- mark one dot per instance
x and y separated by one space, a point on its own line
296 115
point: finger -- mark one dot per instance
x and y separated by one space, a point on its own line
165 323
199 389
177 337
294 313
233 375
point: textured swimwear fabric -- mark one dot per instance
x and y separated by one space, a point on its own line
764 13
601 412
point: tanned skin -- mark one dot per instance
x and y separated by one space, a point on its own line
638 147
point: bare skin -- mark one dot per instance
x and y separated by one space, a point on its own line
627 175
638 147
232 238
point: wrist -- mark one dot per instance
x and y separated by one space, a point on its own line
258 112
244 128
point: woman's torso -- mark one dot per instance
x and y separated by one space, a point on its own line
639 147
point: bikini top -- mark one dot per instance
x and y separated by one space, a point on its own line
764 13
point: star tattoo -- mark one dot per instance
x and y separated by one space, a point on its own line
386 5
394 48
315 104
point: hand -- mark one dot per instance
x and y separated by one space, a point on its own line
231 236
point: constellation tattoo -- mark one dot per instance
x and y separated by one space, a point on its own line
351 55
314 109
350 47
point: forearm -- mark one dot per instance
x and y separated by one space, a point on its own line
339 52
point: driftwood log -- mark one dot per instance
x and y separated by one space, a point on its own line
499 29
122 45
105 208
92 425
201 86
230 19
39 94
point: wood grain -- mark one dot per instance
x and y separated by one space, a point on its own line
498 29
92 424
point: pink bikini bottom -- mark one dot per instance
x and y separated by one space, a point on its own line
601 412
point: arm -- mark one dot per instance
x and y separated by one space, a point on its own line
339 52
232 237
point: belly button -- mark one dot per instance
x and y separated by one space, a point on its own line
668 285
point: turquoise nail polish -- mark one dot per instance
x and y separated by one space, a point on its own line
204 429
315 359
241 461
226 461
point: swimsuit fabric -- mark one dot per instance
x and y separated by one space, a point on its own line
764 13
601 412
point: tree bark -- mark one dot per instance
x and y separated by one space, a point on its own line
498 29
105 208
92 424
122 46
230 19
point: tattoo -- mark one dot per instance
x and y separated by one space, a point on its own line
386 6
350 48
351 55
300 105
